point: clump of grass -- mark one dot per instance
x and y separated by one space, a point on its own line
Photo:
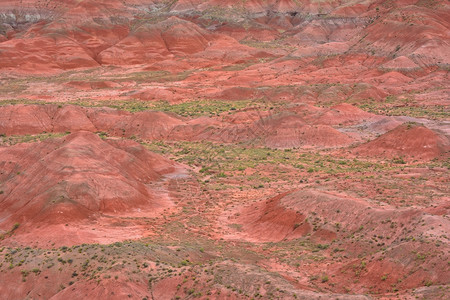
17 139
10 232
206 107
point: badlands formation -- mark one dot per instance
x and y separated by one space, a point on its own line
206 149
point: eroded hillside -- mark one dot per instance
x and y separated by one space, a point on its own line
258 149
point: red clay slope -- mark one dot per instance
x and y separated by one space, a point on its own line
76 177
410 141
327 217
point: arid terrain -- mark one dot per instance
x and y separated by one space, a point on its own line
206 149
